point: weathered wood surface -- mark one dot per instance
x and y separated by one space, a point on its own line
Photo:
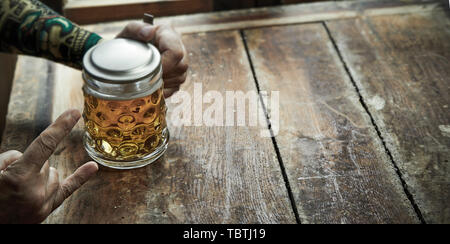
208 175
88 11
29 107
401 65
283 15
7 68
342 172
336 165
92 12
292 14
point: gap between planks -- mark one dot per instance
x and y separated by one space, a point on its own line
386 149
272 136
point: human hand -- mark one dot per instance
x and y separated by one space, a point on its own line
29 188
171 47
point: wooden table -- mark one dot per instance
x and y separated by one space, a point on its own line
364 129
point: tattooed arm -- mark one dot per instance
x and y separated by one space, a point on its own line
29 27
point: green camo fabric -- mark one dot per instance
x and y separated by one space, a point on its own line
30 27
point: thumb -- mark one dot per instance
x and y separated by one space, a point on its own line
74 181
8 158
138 31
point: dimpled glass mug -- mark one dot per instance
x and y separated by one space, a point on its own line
124 108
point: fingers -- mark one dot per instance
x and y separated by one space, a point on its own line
169 43
171 47
170 91
45 144
52 182
8 158
173 54
175 82
177 70
176 77
170 60
74 181
45 170
168 39
138 31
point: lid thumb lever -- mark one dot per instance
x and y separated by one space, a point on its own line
148 18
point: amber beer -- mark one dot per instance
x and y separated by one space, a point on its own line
124 108
125 130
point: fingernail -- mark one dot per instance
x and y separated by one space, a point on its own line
75 114
145 32
96 165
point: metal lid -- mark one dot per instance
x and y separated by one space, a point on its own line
122 69
121 60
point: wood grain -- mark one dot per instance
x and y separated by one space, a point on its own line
7 69
283 15
86 12
29 107
208 175
294 14
401 66
336 165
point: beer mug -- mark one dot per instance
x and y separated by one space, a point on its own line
124 108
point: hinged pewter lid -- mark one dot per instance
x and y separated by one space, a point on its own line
122 61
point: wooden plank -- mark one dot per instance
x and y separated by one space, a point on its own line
7 68
208 175
293 14
283 15
401 66
29 114
87 11
29 104
336 165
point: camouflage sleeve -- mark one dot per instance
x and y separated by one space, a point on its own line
30 27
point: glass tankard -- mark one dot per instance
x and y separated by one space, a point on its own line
124 108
